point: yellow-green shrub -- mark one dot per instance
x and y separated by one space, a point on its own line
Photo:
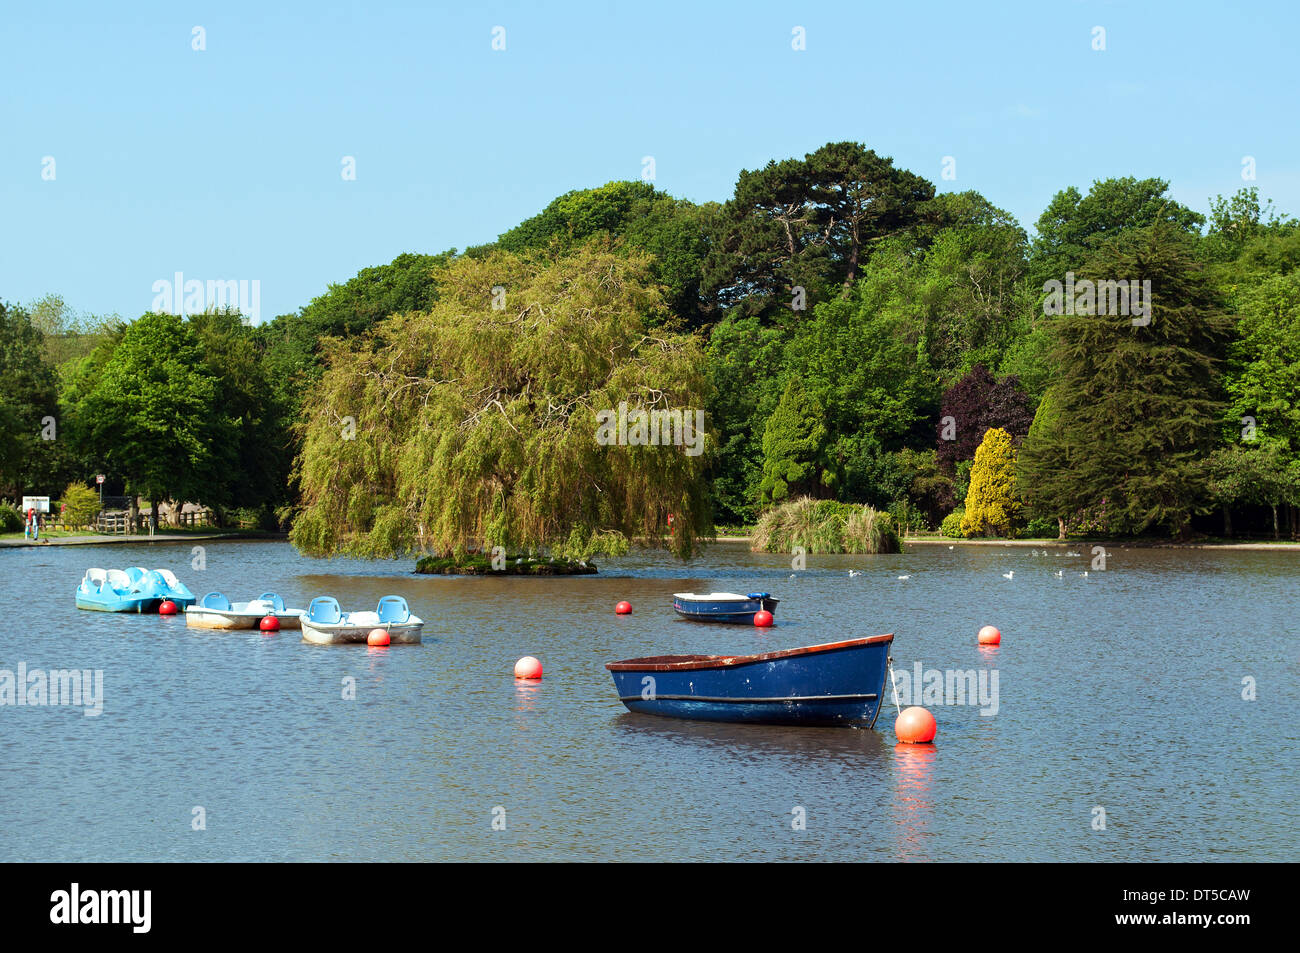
991 503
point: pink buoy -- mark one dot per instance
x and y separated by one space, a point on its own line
989 635
915 725
623 608
378 637
528 668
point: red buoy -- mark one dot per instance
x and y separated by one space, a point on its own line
269 624
167 608
528 668
989 635
623 608
762 618
915 725
377 637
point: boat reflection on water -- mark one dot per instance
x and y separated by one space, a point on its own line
798 746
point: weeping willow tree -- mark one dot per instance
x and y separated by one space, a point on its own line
475 425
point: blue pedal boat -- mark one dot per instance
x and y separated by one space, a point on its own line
723 606
134 589
114 590
162 585
834 684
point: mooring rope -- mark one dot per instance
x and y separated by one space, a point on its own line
894 682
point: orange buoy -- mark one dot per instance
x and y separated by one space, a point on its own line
167 608
989 635
762 618
269 624
623 608
528 668
378 637
915 725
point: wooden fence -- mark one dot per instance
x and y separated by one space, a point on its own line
119 522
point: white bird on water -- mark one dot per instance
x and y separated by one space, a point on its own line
1084 574
1008 575
950 547
1060 573
854 573
905 577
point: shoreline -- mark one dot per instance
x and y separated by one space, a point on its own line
92 540
1037 543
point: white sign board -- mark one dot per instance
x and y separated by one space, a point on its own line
41 504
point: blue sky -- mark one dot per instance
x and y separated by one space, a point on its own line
226 163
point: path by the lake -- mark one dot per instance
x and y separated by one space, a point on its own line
95 540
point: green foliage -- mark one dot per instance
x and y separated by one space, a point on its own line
472 427
1041 527
1135 408
1073 226
825 526
961 479
743 393
928 489
809 223
951 525
794 444
991 503
670 230
1264 377
256 455
151 410
1265 473
516 564
69 336
293 342
28 395
11 520
857 355
80 505
1042 473
1239 221
867 530
837 394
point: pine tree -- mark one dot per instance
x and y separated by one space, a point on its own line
1137 403
1040 472
794 445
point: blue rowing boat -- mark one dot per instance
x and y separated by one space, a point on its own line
723 606
834 684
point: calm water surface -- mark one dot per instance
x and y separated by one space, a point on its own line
1121 690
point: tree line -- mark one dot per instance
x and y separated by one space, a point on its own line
851 334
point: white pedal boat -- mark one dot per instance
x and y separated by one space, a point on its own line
326 624
215 611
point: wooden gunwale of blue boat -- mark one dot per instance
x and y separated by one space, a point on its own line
780 687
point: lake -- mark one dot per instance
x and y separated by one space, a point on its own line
1121 691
